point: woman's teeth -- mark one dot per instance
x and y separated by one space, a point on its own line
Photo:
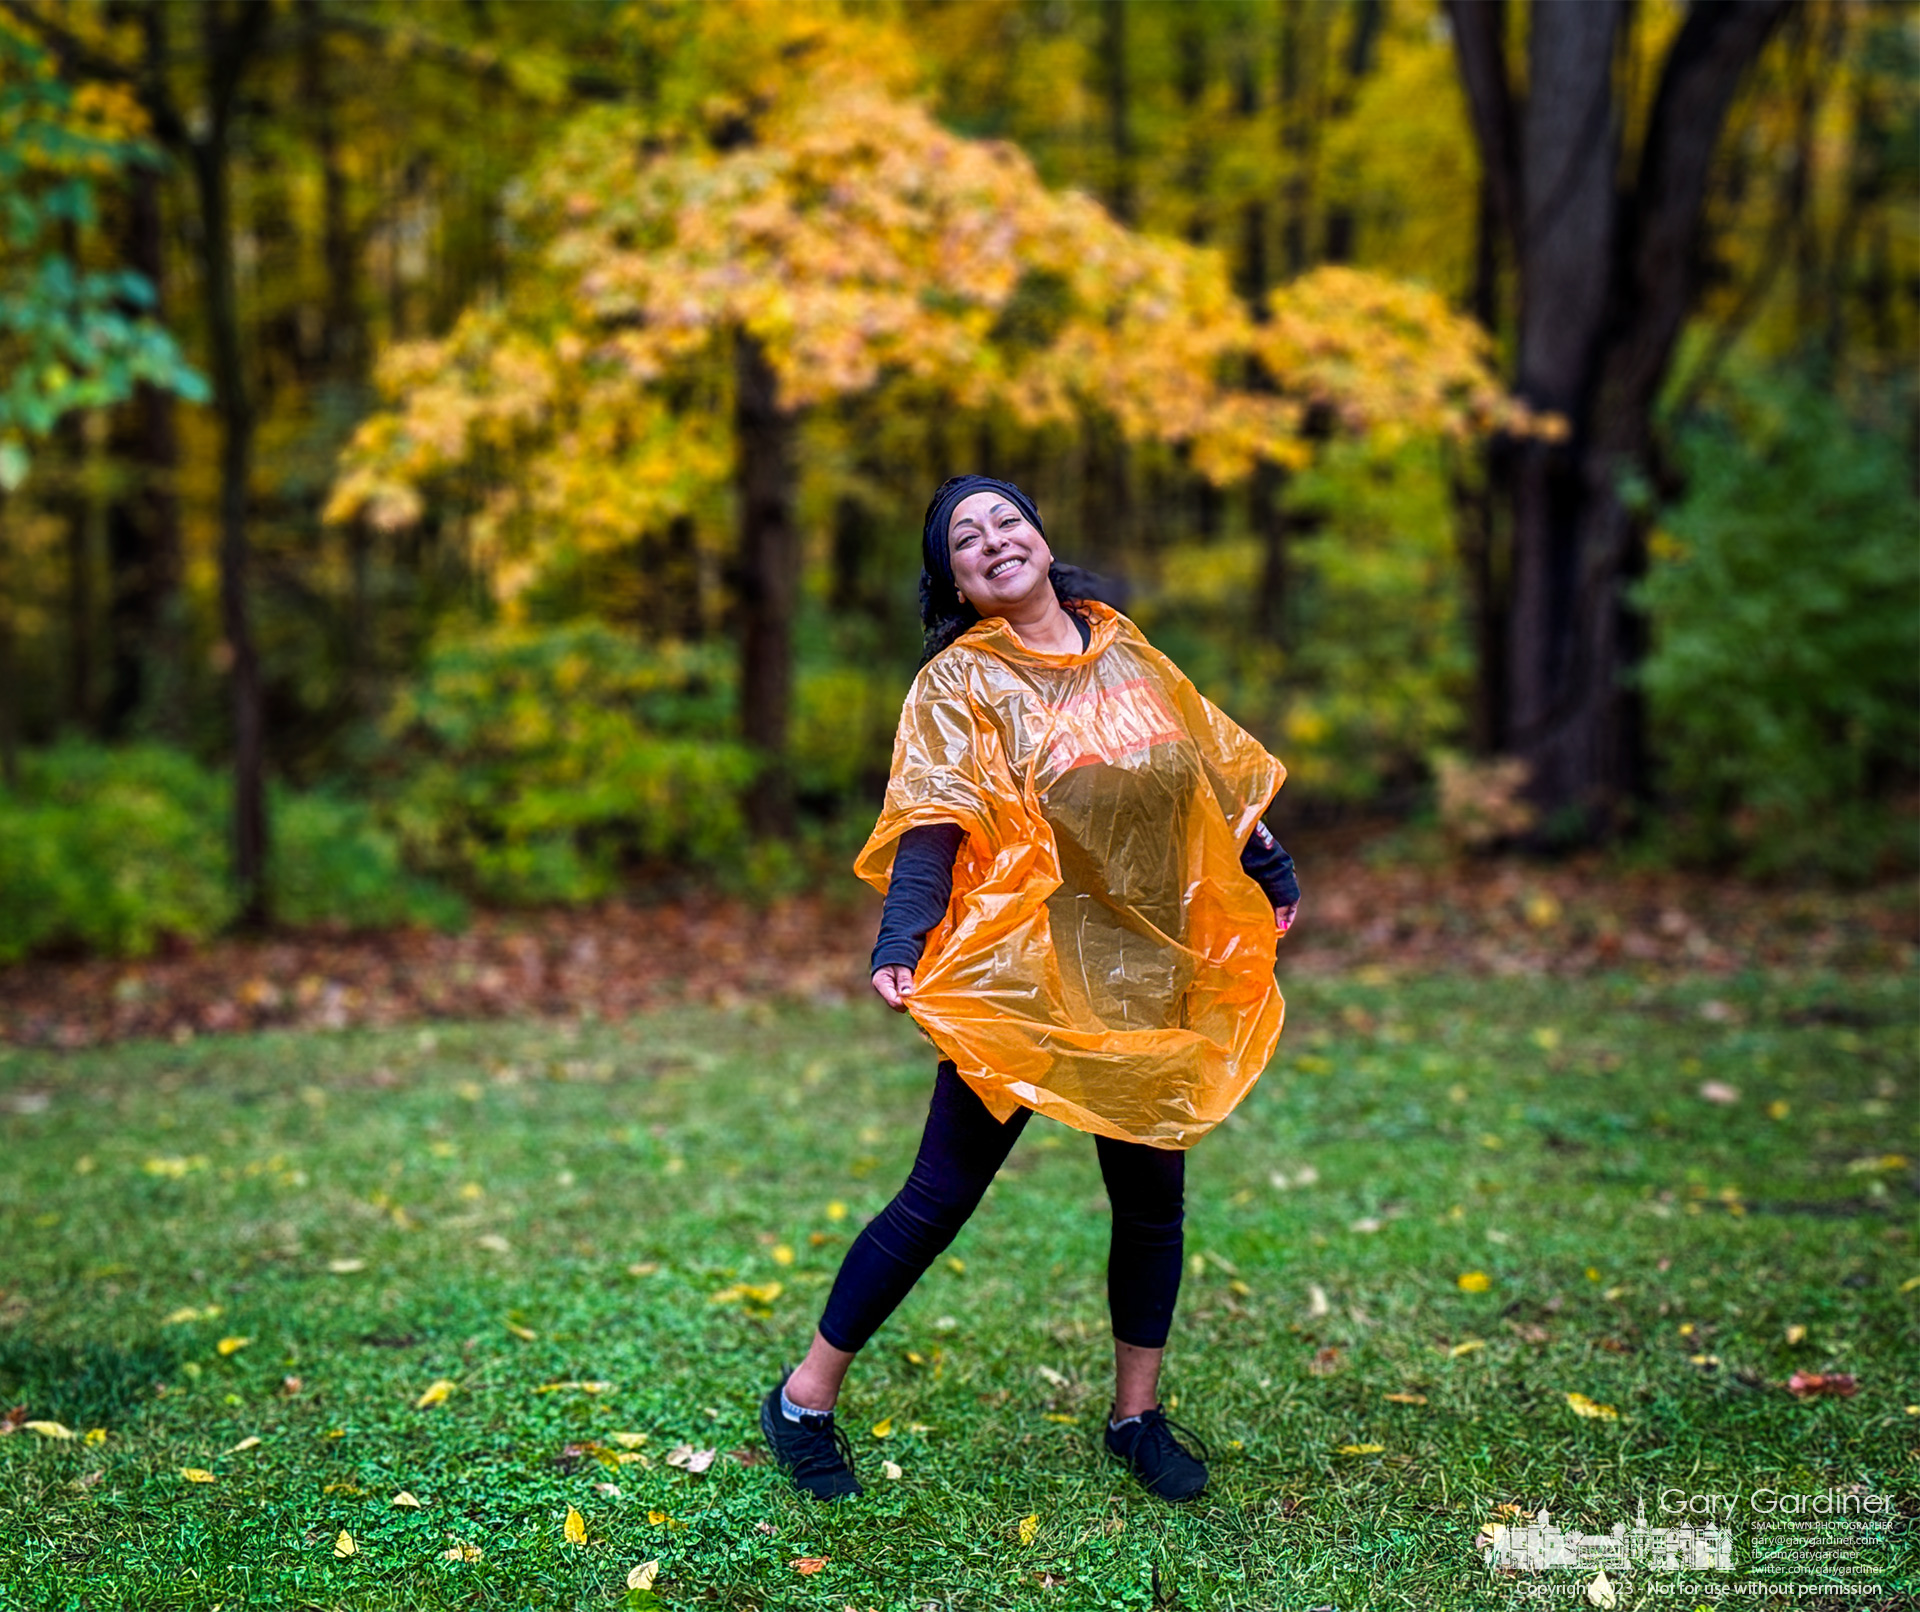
1004 566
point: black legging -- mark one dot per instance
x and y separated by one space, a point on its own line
963 1147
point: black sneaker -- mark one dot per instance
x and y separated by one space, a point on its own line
813 1449
1164 1466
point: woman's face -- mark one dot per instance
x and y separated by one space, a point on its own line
999 557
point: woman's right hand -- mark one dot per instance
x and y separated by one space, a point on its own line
895 985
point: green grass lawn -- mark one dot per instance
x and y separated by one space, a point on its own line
657 1207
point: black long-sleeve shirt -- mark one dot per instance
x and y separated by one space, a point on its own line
922 882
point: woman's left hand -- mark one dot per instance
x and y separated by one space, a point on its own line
1283 916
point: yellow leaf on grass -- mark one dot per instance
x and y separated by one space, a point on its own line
1407 1399
49 1429
344 1545
659 1519
405 1501
892 1471
1910 1284
957 1266
1029 1526
251 1442
1592 1409
883 1428
573 1388
231 1346
782 1254
1600 1592
524 1334
627 1441
646 1267
1466 1346
1474 1282
436 1393
836 1210
575 1527
459 1552
1796 1333
195 1474
97 1435
346 1267
642 1577
1360 1449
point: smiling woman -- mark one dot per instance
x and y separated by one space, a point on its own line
1072 837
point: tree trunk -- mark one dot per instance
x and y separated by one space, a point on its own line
9 673
1343 228
1113 64
143 519
1607 271
227 47
767 579
74 506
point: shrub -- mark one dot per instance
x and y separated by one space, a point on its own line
1784 593
111 849
530 763
334 863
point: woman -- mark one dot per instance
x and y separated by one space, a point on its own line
1076 872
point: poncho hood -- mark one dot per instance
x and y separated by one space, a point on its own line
1104 959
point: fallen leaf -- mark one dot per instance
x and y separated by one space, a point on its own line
1049 1375
1600 1592
405 1501
782 1254
1325 1361
1815 1384
231 1346
1796 1333
436 1393
1029 1526
1717 1091
883 1428
49 1429
13 1420
1466 1346
642 1577
1407 1399
460 1552
346 1267
98 1435
1317 1300
573 1388
252 1442
1592 1409
1474 1282
1360 1449
746 1455
646 1267
195 1474
891 1470
494 1243
575 1527
524 1334
836 1211
610 1490
687 1457
660 1519
344 1545
805 1565
627 1441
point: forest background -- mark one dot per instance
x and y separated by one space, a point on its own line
476 453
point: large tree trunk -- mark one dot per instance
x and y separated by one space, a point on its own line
228 45
767 579
1606 268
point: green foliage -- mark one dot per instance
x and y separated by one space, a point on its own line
111 849
69 338
1785 603
532 762
334 863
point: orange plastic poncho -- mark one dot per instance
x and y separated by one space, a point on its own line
1104 959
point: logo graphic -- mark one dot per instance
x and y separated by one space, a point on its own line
1108 725
1530 1547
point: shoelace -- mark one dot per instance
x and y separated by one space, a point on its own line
1157 1420
827 1448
